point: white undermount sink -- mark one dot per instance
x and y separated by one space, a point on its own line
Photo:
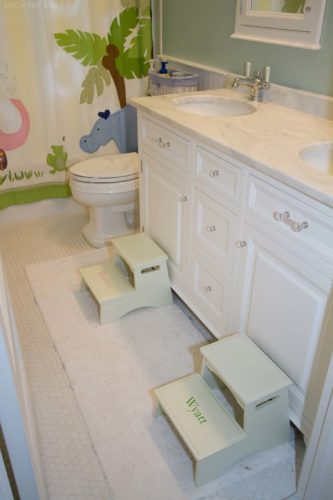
209 105
319 156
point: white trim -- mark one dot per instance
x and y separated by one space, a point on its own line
16 416
275 41
157 26
296 30
160 48
186 62
316 475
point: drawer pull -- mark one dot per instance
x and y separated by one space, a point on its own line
207 289
285 217
241 244
211 229
182 199
214 173
163 144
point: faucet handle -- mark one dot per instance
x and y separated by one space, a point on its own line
267 73
247 69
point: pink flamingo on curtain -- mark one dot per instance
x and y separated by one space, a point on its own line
16 139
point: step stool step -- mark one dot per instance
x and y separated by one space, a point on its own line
244 368
106 282
199 417
139 251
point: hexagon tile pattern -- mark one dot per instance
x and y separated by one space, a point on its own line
70 465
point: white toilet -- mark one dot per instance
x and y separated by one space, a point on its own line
109 186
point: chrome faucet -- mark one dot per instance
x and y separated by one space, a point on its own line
257 83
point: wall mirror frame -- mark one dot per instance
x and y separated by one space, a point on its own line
296 29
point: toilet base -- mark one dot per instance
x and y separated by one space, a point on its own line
105 223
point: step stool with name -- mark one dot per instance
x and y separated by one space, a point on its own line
137 277
213 436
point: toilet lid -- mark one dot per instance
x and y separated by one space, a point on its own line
110 168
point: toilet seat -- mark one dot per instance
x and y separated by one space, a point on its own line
108 169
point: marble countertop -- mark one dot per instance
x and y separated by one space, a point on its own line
268 140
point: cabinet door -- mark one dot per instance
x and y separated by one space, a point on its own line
209 293
215 231
165 215
282 303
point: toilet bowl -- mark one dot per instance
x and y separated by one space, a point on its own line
109 187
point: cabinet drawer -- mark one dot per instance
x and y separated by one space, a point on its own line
297 220
165 145
219 174
215 230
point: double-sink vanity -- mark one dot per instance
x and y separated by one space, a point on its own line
240 197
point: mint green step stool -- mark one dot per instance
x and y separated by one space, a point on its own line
137 277
213 437
259 386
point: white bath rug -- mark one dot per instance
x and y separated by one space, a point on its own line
113 369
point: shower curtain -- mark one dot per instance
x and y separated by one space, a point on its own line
67 70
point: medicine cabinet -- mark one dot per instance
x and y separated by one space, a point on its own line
295 23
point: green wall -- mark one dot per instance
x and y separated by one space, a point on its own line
199 30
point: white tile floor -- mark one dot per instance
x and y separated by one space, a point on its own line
71 466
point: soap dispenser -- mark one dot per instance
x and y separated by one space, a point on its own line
163 70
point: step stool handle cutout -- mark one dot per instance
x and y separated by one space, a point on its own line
150 269
267 402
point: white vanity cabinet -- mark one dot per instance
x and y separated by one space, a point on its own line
247 253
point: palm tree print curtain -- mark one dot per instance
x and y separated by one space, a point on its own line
67 71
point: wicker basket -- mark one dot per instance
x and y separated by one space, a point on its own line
165 84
